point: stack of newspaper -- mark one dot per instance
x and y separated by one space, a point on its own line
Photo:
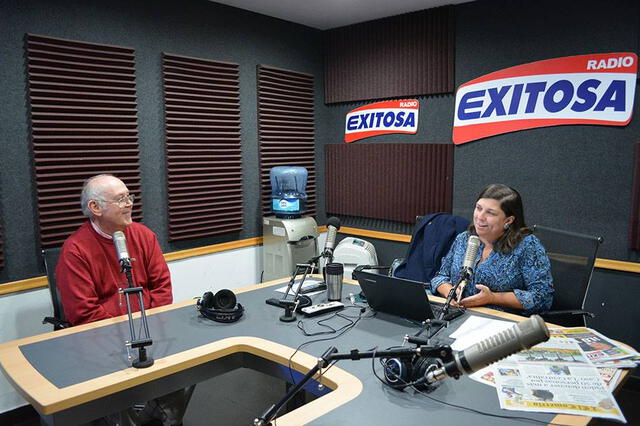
601 351
572 373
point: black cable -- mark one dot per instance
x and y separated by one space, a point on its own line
321 323
340 333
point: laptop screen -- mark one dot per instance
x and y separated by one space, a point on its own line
395 296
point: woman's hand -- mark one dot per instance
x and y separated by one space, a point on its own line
484 297
444 290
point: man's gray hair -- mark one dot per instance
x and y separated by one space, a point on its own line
91 191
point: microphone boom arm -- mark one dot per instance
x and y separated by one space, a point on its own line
270 414
331 354
521 336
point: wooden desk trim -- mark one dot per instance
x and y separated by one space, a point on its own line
390 236
48 399
38 282
615 265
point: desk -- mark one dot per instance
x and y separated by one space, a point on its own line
81 373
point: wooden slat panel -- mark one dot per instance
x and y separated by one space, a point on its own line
203 147
83 122
404 55
286 128
389 181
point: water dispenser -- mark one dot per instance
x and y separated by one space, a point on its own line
288 191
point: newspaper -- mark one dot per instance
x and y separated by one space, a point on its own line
555 376
609 376
555 388
555 350
599 349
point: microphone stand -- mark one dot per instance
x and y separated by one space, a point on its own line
290 306
442 352
451 295
143 360
427 324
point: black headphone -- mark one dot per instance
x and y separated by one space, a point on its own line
400 373
220 307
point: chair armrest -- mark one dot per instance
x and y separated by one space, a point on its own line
367 267
568 312
57 323
394 265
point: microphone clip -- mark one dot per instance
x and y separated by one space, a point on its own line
125 263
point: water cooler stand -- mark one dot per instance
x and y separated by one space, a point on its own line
287 242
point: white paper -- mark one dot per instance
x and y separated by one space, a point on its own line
308 282
475 329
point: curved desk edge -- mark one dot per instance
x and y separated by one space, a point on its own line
48 399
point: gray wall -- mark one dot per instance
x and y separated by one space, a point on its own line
573 177
193 28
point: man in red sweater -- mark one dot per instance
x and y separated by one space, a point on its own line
88 277
88 273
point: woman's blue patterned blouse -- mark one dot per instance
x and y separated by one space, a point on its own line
525 270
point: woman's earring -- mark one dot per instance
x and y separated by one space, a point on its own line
506 226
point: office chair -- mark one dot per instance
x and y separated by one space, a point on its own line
402 260
572 256
50 258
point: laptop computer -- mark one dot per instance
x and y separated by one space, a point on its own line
395 296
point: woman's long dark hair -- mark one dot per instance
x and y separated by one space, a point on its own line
511 205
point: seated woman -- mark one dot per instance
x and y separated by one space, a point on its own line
512 271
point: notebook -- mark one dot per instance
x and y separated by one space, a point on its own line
395 296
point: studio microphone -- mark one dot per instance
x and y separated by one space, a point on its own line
469 261
333 224
521 336
120 242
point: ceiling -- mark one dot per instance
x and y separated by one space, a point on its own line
326 14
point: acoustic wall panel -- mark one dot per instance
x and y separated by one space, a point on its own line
203 147
404 55
394 182
82 98
286 128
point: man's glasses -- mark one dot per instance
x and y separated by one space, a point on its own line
122 201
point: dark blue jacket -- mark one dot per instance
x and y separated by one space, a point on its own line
430 242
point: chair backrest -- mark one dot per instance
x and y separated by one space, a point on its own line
50 257
430 242
572 256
